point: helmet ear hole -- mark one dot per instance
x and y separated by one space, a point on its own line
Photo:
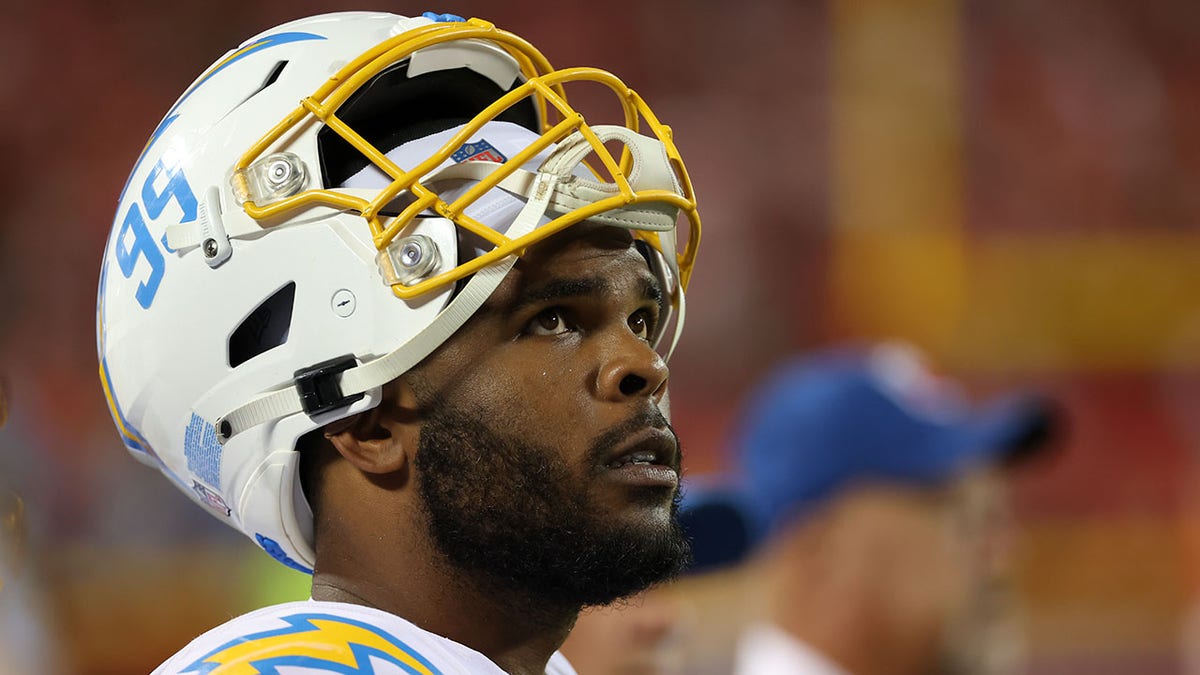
265 328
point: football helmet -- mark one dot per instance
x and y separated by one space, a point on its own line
322 208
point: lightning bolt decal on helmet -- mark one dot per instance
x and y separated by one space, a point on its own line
310 220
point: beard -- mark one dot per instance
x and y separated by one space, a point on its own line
514 515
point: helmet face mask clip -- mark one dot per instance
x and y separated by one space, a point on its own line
270 179
272 265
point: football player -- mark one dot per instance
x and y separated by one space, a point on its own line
380 297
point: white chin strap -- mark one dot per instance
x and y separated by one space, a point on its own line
553 187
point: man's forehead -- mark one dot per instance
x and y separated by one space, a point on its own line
580 236
594 261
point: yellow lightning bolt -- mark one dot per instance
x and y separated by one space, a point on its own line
329 642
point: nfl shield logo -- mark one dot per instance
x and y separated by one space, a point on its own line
212 499
478 151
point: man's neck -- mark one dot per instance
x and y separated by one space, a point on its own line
517 632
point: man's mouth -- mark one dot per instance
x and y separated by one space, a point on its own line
649 458
641 457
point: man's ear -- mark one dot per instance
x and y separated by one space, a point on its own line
381 440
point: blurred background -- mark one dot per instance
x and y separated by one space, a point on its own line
1012 186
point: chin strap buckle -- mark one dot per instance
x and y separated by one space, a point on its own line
320 385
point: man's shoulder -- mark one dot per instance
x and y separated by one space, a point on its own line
314 637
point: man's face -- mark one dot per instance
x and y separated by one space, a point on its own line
938 560
544 463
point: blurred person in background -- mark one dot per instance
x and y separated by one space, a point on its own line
876 494
866 531
637 636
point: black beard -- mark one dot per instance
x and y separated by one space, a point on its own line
513 514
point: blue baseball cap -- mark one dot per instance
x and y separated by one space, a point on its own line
819 425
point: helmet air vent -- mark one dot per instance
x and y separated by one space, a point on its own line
265 328
272 76
276 71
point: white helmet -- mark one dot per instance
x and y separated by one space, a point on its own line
310 220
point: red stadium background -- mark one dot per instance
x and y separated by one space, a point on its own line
1012 186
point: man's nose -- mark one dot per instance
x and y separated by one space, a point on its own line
631 368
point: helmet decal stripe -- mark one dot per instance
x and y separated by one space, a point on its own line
133 440
130 436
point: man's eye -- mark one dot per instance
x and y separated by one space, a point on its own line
641 323
548 322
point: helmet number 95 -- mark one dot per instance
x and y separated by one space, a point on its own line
135 242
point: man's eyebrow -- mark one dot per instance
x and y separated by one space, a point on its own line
580 287
559 289
652 289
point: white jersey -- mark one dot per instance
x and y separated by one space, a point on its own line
314 637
